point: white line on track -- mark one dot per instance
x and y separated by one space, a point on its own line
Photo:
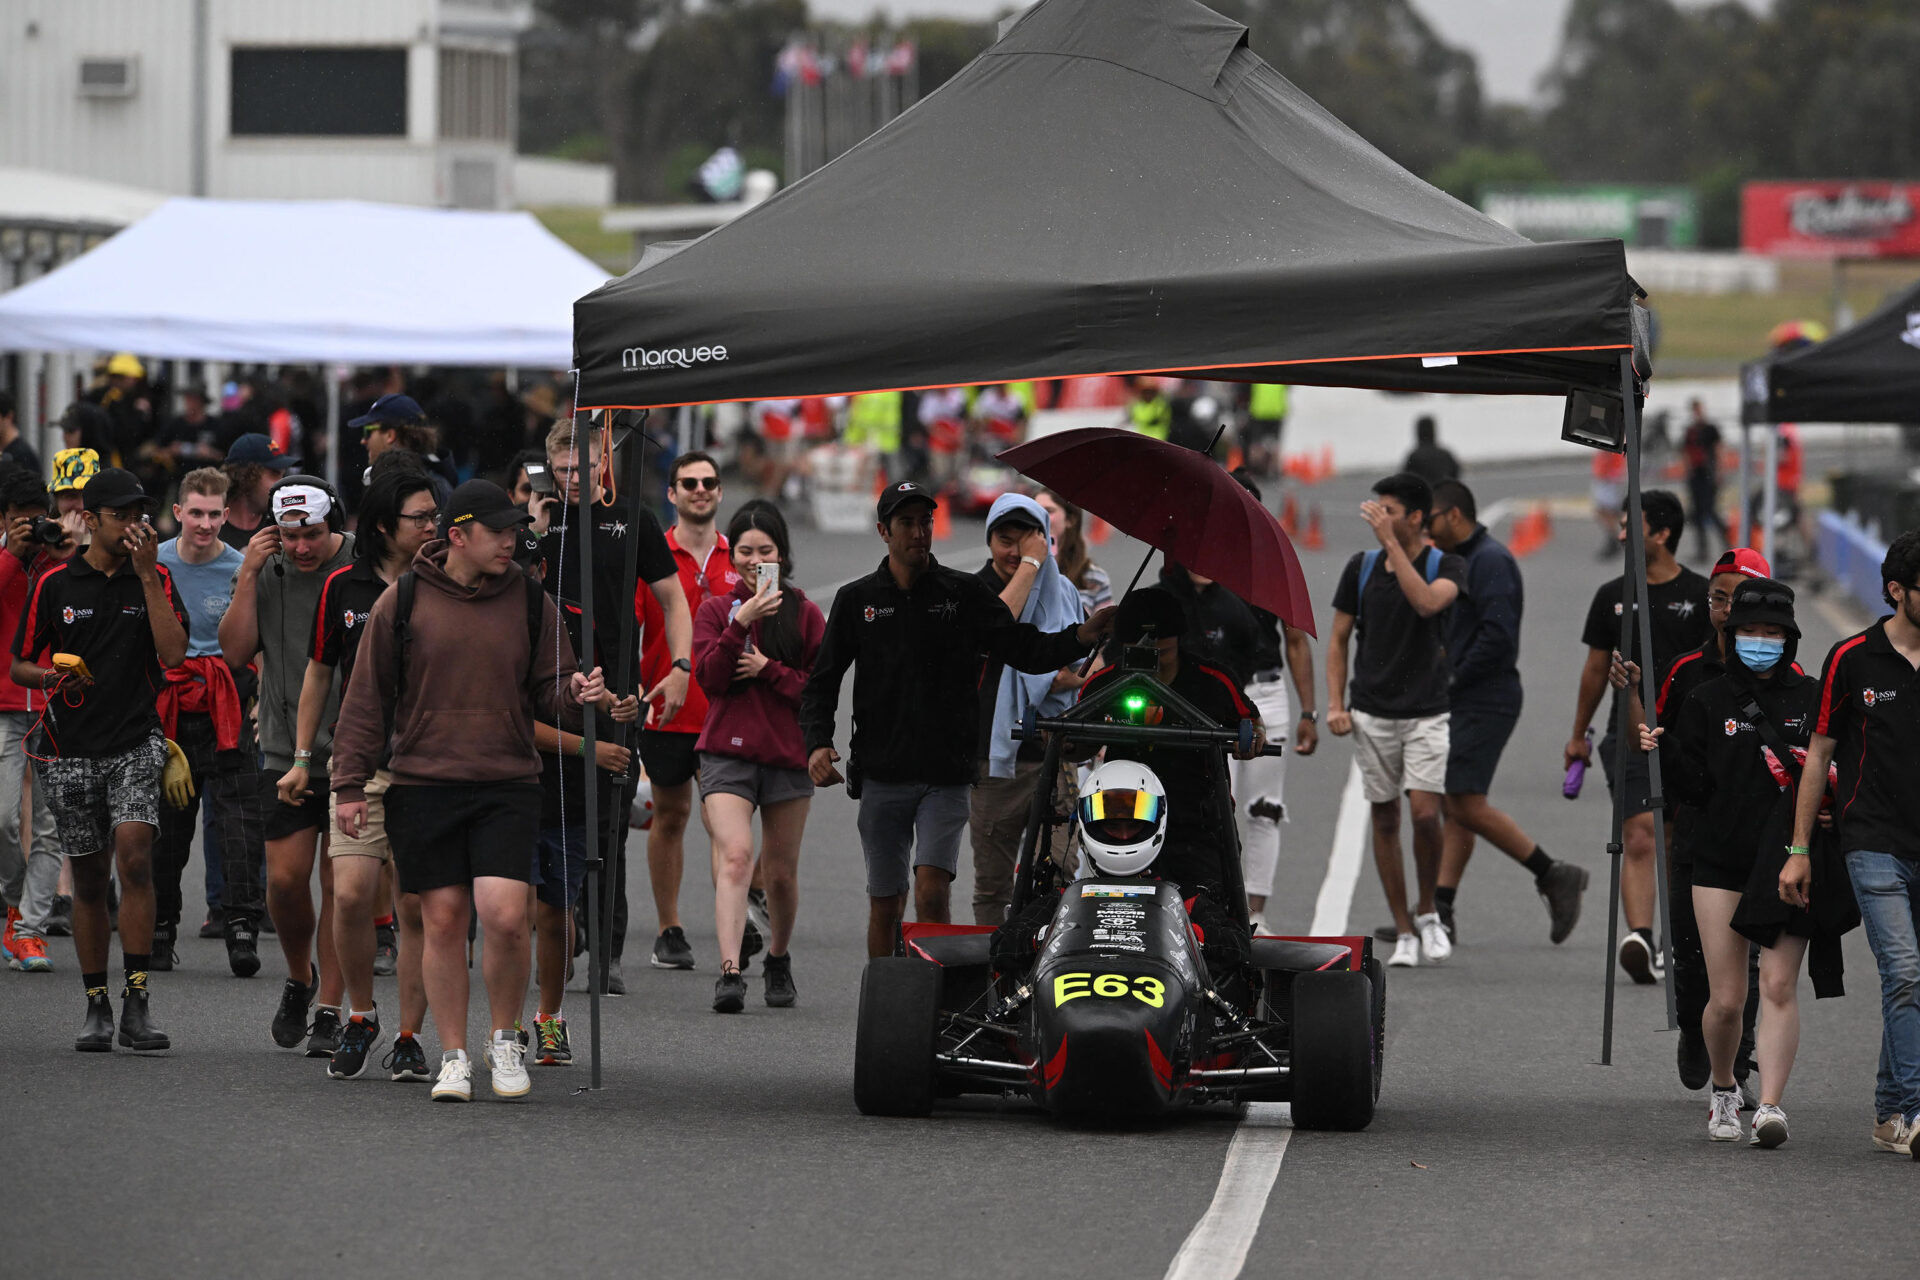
1216 1248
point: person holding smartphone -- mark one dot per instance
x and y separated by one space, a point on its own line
752 653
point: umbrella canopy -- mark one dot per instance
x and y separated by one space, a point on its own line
1869 373
1116 186
1179 501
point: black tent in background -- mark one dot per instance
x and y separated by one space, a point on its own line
1869 373
1116 186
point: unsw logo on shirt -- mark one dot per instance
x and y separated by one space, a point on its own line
1870 696
870 613
1733 726
71 615
349 619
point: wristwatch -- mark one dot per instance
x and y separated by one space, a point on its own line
1311 717
1030 560
683 665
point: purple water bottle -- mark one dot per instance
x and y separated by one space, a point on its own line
1576 773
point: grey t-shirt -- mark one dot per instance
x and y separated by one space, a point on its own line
206 590
286 601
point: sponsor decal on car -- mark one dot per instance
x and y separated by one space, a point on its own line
1116 890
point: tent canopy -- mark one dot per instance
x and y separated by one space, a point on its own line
42 196
299 281
1869 373
1116 186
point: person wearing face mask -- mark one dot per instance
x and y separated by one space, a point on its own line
1723 760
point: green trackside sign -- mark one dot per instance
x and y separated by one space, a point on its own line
1644 217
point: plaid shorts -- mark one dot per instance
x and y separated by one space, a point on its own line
91 795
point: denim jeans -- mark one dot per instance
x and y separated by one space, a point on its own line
29 878
1888 889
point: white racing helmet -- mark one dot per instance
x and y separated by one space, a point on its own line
1123 818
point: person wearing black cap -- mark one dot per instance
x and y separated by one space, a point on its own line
398 422
113 623
455 696
920 633
1195 845
253 467
1725 758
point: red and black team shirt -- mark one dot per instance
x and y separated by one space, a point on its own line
339 620
1870 707
75 608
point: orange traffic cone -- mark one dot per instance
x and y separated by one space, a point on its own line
1098 531
1290 517
1316 539
943 518
1325 470
879 483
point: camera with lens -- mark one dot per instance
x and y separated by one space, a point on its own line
49 532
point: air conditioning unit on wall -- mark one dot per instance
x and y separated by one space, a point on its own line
109 77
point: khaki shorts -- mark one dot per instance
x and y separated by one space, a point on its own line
1400 755
372 840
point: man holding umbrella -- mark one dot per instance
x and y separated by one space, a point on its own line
919 632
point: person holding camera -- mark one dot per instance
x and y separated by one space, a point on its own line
112 623
29 876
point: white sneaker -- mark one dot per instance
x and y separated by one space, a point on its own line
1906 1138
456 1079
1640 960
1723 1115
510 1080
1769 1126
1433 938
1406 952
1888 1133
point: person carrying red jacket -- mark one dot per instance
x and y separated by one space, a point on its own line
752 653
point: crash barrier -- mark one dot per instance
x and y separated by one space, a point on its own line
1850 556
1882 502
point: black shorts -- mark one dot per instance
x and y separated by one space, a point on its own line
282 820
1476 737
451 835
669 757
1713 875
1638 779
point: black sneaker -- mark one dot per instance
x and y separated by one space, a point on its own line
751 945
555 1049
407 1060
1696 1072
779 980
163 957
243 950
1560 889
215 925
730 992
60 919
290 1019
357 1040
671 950
96 1034
324 1036
386 951
616 981
137 1031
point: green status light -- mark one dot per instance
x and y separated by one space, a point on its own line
1136 702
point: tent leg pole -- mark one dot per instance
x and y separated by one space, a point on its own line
332 376
1743 536
1771 488
590 811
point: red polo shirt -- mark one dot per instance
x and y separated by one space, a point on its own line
701 582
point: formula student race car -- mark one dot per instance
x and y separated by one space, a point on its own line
1117 1013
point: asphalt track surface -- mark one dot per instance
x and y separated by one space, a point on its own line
730 1146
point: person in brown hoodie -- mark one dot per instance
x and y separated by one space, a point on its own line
464 807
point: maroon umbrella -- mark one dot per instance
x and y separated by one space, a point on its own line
1179 501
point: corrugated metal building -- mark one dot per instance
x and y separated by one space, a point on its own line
405 101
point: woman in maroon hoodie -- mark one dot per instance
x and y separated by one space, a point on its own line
752 652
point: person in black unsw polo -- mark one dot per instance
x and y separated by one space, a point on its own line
1869 722
921 633
99 752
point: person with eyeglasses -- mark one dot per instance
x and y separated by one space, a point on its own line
704 560
397 518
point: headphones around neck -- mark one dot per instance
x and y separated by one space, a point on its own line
336 514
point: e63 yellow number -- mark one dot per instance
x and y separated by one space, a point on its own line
1071 986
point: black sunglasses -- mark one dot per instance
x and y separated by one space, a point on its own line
690 483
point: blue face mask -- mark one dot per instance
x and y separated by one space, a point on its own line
1759 653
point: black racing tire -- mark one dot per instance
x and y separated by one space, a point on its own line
1377 975
893 1073
1332 1062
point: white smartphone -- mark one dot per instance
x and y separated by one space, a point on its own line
769 572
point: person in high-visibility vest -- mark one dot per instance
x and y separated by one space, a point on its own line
1266 415
873 421
1149 413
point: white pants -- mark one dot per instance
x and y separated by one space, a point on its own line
1259 787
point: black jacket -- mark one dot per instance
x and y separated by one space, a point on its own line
916 695
1221 629
1714 759
1483 627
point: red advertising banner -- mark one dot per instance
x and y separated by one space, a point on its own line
1831 219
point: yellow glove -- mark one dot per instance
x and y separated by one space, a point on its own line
176 778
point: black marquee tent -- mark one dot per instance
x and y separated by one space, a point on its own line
1122 186
1869 373
1116 186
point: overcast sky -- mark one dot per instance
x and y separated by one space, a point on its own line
1514 39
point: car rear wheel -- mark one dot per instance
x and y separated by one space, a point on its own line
893 1071
1377 975
1332 1063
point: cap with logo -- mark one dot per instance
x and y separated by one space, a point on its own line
295 506
389 410
895 496
485 502
114 489
72 468
257 448
1744 561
